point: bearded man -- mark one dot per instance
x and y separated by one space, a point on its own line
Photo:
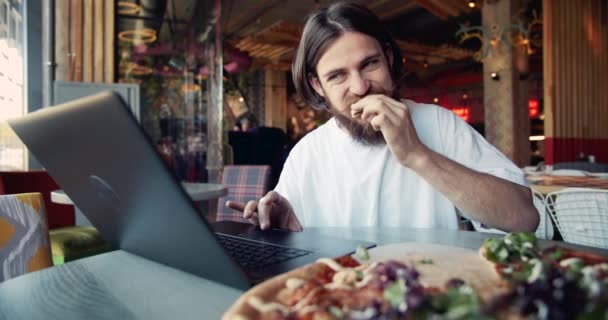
382 160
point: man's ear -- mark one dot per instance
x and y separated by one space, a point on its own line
314 82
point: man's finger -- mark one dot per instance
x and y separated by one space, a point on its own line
250 209
378 121
264 209
235 205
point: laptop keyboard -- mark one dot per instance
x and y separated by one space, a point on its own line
253 254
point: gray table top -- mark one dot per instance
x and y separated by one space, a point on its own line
120 285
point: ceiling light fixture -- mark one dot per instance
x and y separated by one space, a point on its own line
472 4
138 36
127 8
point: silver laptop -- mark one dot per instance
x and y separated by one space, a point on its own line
96 151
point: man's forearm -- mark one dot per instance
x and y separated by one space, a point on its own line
493 201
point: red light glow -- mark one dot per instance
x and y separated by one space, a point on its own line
462 112
533 108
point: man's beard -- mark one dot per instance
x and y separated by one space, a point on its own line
362 133
359 130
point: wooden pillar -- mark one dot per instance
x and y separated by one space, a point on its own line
275 99
84 35
62 50
575 75
507 125
215 99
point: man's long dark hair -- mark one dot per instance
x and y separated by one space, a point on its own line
322 29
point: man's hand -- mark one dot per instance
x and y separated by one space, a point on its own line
470 191
272 210
393 119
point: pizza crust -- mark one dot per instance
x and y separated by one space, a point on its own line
271 290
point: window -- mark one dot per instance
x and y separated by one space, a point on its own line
13 155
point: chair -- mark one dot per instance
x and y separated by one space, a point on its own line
261 146
68 242
545 227
581 215
24 237
14 182
244 183
582 165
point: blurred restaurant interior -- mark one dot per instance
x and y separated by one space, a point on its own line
210 81
528 75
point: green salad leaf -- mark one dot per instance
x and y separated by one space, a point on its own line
512 247
361 253
395 293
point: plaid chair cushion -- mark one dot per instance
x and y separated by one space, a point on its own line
244 183
24 236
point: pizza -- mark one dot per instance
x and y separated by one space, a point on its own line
509 278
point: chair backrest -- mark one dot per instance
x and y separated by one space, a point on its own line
582 165
581 215
545 227
244 183
24 236
14 182
568 172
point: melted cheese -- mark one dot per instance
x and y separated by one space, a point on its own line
294 283
264 307
331 263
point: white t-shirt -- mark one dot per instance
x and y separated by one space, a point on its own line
333 181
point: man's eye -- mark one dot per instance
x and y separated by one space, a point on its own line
336 77
371 63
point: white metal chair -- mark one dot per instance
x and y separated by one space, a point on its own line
545 227
569 172
581 215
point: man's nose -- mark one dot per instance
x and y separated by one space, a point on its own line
359 85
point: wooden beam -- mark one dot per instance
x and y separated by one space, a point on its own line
62 49
87 65
76 34
109 42
252 19
446 7
98 60
267 40
433 9
407 6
